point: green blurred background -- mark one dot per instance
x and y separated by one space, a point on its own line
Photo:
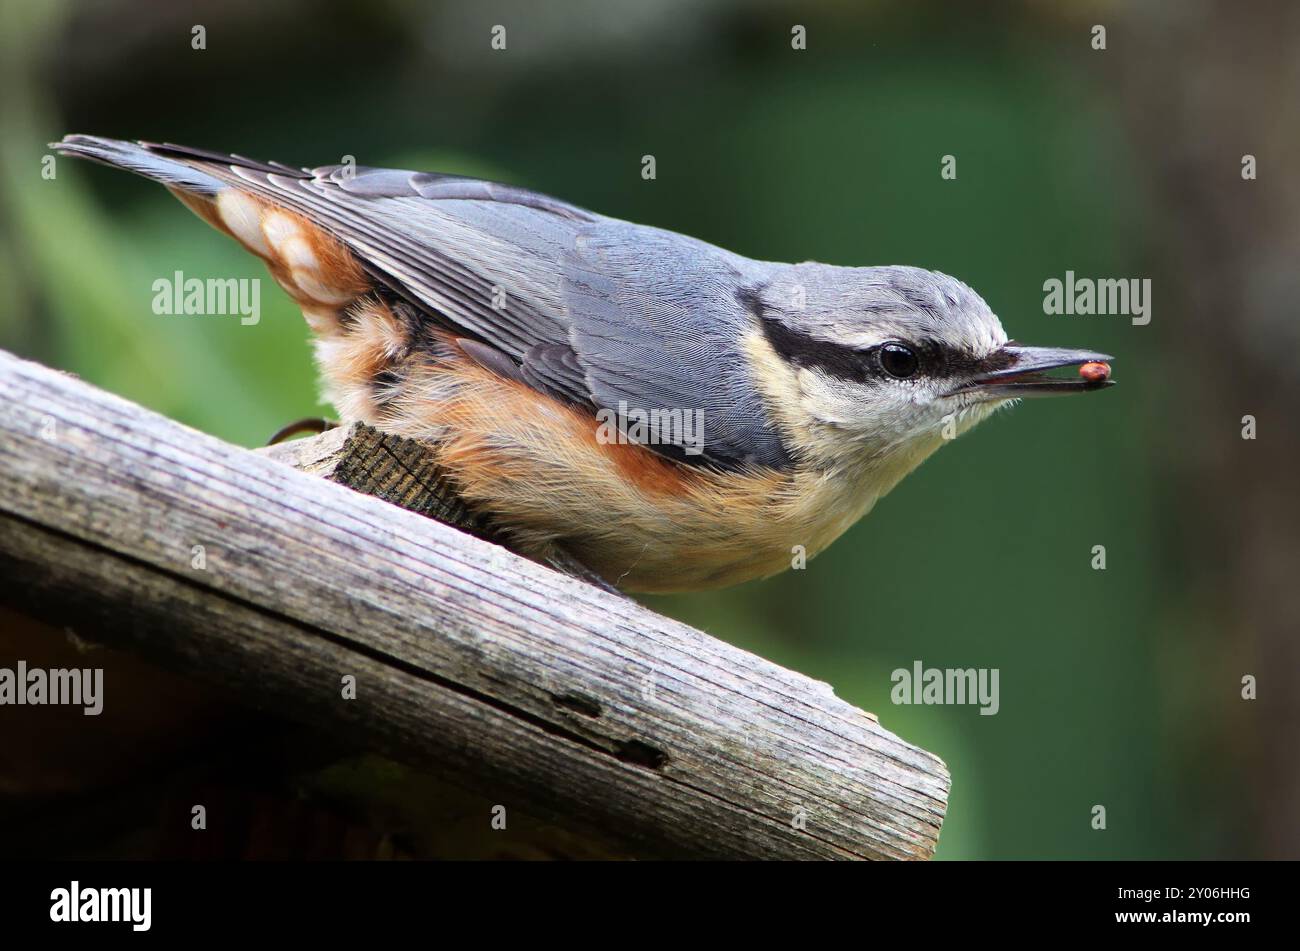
1118 687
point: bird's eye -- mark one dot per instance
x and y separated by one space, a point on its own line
899 361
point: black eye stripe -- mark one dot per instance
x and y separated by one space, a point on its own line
851 363
805 350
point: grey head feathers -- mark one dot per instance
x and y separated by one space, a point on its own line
836 317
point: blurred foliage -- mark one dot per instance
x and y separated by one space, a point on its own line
979 559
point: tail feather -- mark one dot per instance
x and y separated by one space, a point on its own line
173 166
233 194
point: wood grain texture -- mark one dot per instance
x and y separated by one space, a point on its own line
389 467
470 661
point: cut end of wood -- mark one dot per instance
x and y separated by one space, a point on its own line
398 470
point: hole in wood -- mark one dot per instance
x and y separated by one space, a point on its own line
642 754
577 703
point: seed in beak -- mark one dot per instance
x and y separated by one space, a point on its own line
1095 372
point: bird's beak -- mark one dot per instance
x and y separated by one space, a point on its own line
1015 371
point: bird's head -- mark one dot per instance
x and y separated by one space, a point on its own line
880 365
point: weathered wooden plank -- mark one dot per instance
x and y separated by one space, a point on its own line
583 707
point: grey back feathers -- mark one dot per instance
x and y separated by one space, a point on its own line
657 320
595 311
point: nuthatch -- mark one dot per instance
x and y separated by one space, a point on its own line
756 407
